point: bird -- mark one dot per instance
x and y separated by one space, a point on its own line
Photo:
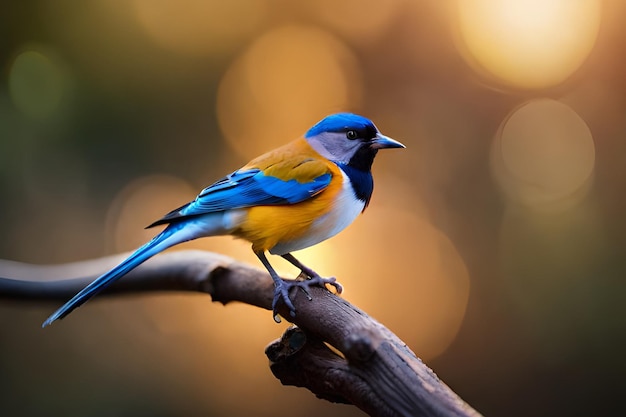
285 200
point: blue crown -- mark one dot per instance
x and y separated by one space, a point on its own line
341 122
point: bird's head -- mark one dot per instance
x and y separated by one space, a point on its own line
349 139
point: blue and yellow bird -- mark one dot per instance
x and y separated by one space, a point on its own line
285 200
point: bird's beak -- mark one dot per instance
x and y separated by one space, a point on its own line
381 142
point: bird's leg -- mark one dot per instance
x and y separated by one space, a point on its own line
281 288
314 277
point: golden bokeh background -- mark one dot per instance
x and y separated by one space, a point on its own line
493 245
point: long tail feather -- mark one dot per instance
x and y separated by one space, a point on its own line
172 235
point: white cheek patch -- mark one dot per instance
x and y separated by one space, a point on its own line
334 146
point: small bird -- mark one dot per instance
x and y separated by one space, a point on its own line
285 200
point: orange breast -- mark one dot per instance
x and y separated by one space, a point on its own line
267 226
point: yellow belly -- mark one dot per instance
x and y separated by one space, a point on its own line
267 226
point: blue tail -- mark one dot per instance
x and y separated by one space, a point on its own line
172 235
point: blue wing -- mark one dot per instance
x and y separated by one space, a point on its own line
246 188
242 188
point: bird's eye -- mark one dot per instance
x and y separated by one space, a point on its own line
351 134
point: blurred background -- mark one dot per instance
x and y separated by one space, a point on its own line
493 245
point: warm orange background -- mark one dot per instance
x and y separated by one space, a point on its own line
493 245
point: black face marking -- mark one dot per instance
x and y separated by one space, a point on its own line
362 182
363 158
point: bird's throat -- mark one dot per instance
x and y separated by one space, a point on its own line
362 182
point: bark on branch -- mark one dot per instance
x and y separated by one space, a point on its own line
370 368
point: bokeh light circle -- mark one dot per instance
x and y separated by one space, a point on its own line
138 204
199 27
38 83
399 268
373 17
284 82
529 43
543 154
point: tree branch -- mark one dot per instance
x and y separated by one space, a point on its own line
370 368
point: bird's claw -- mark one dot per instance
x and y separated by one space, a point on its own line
320 282
282 291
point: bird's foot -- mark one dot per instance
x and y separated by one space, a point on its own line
282 288
315 279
